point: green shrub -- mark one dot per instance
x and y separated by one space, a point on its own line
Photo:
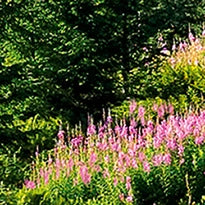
30 133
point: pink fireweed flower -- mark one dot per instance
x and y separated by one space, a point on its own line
117 130
160 38
101 132
115 181
61 134
85 176
174 47
167 159
128 183
199 140
157 159
182 46
180 150
132 131
141 111
155 107
171 109
50 160
58 163
77 141
127 161
171 144
129 199
134 164
109 119
161 111
41 172
181 161
102 146
106 173
133 123
157 141
165 51
121 196
116 147
150 127
145 49
93 158
133 106
203 32
141 156
146 166
70 163
121 155
46 177
91 130
191 37
124 132
57 173
30 184
131 152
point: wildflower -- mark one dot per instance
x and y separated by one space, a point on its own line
77 141
109 119
91 130
61 134
171 109
93 158
106 173
203 32
127 160
133 106
145 49
101 132
115 181
180 150
129 199
181 161
70 163
141 156
124 131
171 144
117 130
174 47
146 64
160 38
30 184
191 37
165 51
161 111
167 158
121 196
128 183
85 176
46 177
141 111
146 166
97 168
134 164
157 159
199 140
57 173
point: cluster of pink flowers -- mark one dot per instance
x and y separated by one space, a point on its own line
115 149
